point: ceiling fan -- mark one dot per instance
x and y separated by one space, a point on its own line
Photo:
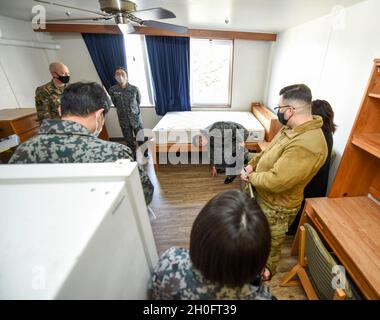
125 15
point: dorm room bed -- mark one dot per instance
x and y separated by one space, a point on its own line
175 131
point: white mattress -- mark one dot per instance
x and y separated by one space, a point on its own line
181 127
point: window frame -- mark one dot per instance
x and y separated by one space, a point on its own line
230 79
148 74
149 80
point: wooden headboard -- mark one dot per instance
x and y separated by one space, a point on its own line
268 120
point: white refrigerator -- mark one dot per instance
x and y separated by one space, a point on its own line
74 231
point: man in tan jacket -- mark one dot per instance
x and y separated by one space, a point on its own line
280 173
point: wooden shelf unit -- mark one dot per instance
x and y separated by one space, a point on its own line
348 220
374 95
359 170
369 142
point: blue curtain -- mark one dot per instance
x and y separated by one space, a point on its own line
107 52
169 59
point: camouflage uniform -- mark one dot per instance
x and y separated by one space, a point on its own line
127 103
48 100
175 278
279 219
221 151
61 141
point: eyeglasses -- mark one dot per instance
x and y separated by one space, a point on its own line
281 107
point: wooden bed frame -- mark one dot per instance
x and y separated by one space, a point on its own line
266 117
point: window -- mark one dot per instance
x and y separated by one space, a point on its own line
210 72
138 67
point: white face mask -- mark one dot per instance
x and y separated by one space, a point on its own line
121 79
98 129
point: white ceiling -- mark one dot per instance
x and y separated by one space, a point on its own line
245 15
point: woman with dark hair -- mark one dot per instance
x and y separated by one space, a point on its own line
317 187
229 247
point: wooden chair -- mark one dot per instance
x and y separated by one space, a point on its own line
314 269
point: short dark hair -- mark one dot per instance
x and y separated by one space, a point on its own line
230 239
83 98
299 92
122 68
323 108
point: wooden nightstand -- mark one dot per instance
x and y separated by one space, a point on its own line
22 122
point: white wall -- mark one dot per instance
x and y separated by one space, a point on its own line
334 61
251 60
73 53
21 69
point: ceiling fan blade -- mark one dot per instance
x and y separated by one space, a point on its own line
166 26
153 14
71 7
79 19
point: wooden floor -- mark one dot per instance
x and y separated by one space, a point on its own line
180 192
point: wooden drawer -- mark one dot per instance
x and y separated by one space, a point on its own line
25 124
252 146
308 216
6 129
27 135
316 222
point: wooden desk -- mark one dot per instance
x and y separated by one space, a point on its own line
263 145
22 122
351 227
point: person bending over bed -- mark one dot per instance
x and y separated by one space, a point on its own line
225 143
229 247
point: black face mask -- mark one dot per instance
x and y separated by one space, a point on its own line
281 118
63 79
